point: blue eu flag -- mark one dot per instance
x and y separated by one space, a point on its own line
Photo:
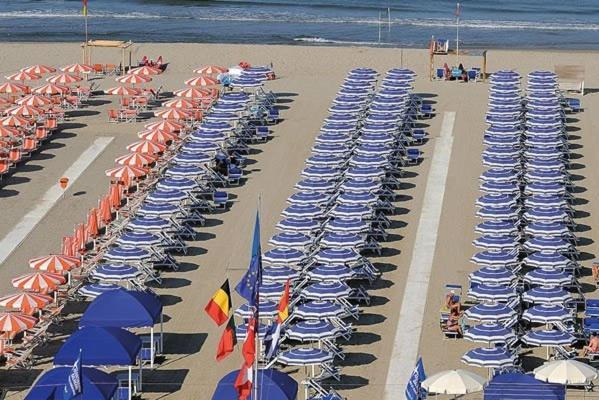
414 391
248 286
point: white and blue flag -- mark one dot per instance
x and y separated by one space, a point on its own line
414 389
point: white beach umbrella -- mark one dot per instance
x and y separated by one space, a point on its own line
457 381
566 372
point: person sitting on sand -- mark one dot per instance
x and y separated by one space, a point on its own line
593 346
452 302
464 73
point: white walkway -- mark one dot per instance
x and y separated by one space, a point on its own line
14 238
407 337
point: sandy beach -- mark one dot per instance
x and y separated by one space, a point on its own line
307 80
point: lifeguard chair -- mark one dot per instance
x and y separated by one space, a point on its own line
439 46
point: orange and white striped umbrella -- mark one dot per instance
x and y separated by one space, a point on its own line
122 91
34 100
166 125
39 69
192 93
145 70
126 172
77 68
210 70
54 263
23 76
146 147
9 87
136 159
50 89
172 113
14 120
16 322
179 103
133 79
26 302
201 81
7 131
64 79
40 282
24 111
158 136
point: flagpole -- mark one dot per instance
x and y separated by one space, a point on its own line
257 320
457 33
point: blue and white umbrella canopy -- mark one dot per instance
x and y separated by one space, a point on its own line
338 128
167 196
497 228
346 108
312 330
271 290
319 309
268 309
498 243
489 333
547 229
548 337
241 331
184 170
321 172
365 160
547 259
376 139
127 253
316 185
179 183
341 99
279 274
157 209
342 118
283 256
500 213
365 198
547 243
342 240
305 356
303 225
93 290
496 200
187 158
308 198
326 291
490 312
229 106
360 185
374 148
234 97
331 138
150 224
493 275
351 211
496 259
293 240
546 314
139 238
209 136
490 292
202 146
330 273
546 295
325 160
115 272
246 82
353 225
365 172
303 211
500 187
328 148
548 277
494 357
368 129
337 255
546 214
545 188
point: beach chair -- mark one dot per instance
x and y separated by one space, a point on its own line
273 116
220 199
413 156
574 104
234 175
472 75
15 155
29 145
262 133
4 167
98 69
426 110
113 116
418 136
111 69
440 73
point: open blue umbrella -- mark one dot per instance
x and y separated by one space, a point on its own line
493 275
216 126
547 259
326 291
368 160
201 146
342 240
330 273
342 118
546 314
312 330
365 172
115 272
548 277
490 292
93 290
139 239
210 136
316 185
326 148
229 106
268 309
364 198
351 225
499 175
271 290
489 333
273 385
308 198
325 160
496 259
500 187
279 273
547 243
241 331
319 309
127 253
502 228
342 128
361 185
546 295
95 384
496 200
151 224
494 357
339 138
547 229
291 240
303 225
337 256
283 256
374 148
351 211
301 356
548 337
497 243
195 158
167 196
302 211
221 116
490 312
177 183
500 213
184 170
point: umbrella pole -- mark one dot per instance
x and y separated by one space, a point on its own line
129 397
161 334
152 347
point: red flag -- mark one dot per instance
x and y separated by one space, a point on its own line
227 341
249 346
243 382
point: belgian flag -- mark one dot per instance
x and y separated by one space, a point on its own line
219 305
228 340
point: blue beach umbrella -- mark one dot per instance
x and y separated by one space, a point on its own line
150 223
211 136
305 356
325 160
93 290
502 228
490 292
351 211
312 330
495 357
115 272
139 239
365 172
321 172
167 196
268 309
310 198
279 274
326 291
547 243
546 295
548 277
302 225
342 240
195 158
319 309
490 312
316 185
177 183
337 255
350 225
548 337
271 290
330 273
303 211
127 253
333 138
241 331
500 187
546 314
291 240
283 256
221 116
201 146
499 213
547 229
331 149
493 275
96 384
496 259
497 243
489 333
363 197
361 185
547 259
338 128
184 170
